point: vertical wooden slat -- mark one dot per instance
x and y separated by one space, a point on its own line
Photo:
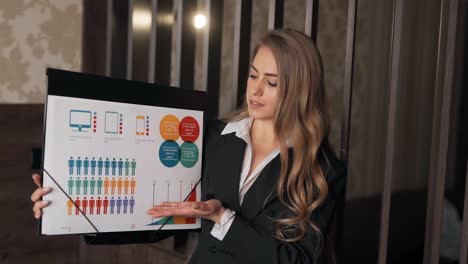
163 41
185 43
108 37
240 60
141 28
212 53
311 19
119 50
187 57
152 41
130 40
205 31
348 79
391 122
434 138
441 130
178 4
94 37
347 102
464 238
275 14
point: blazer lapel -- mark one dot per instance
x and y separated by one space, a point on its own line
232 157
229 156
263 190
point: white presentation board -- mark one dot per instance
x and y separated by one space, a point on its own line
109 162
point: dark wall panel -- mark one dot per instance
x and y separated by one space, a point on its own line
213 55
241 62
275 14
163 43
185 43
119 44
94 37
141 29
21 135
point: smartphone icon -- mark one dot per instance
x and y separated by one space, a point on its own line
140 125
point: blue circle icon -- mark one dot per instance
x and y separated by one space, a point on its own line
169 153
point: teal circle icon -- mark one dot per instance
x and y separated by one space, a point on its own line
169 153
188 154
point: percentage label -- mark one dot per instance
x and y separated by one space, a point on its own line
188 154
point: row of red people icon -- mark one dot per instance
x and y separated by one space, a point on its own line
94 206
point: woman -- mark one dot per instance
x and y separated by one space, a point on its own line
271 180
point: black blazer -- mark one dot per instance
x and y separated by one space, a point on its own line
250 237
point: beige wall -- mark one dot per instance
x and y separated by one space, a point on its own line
34 35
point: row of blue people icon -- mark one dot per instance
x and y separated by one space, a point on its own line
118 204
113 166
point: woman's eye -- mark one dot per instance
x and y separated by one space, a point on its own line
272 84
252 76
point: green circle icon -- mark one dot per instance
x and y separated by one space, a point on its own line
188 154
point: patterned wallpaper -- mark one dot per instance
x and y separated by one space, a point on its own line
36 34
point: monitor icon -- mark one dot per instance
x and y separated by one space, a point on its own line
80 119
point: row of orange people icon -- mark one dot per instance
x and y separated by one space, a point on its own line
92 205
114 184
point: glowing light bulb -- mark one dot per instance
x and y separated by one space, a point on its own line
141 19
199 21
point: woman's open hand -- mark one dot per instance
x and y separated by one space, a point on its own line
211 209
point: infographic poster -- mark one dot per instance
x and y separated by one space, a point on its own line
109 162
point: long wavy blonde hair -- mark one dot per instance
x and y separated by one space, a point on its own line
301 117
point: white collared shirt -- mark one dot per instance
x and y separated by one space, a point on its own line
242 130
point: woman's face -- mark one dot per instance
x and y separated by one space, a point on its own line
262 85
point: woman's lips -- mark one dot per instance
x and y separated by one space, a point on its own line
255 104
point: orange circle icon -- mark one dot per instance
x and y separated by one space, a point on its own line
169 127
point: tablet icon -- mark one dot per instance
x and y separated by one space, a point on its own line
113 122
